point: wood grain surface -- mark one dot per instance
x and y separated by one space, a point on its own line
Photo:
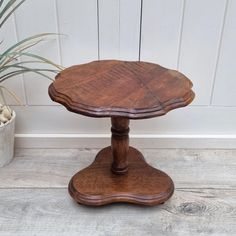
142 184
27 212
34 199
135 90
119 145
53 168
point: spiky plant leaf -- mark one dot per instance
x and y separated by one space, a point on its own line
11 12
10 93
12 60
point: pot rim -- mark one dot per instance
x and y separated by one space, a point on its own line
10 121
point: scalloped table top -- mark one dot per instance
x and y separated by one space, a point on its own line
108 88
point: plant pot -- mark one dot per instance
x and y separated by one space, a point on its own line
7 132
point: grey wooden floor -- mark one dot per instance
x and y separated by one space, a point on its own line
34 198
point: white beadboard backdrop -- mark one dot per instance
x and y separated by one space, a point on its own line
196 37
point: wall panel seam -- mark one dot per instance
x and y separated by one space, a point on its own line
119 29
219 50
181 34
98 30
140 30
22 76
59 45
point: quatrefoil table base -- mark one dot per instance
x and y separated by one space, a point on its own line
128 179
123 91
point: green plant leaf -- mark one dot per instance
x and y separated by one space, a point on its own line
7 7
20 63
2 95
11 94
10 13
32 55
25 41
11 74
31 69
9 57
1 2
23 71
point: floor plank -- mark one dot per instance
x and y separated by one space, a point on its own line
51 212
34 198
45 168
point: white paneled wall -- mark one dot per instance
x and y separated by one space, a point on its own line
119 29
31 20
201 35
224 93
78 25
161 31
8 36
197 37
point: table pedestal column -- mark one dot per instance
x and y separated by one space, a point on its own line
120 173
120 144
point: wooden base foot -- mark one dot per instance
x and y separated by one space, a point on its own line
141 184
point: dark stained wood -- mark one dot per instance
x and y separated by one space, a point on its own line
121 90
120 144
142 184
135 90
120 174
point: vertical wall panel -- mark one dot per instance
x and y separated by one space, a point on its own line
35 17
129 29
15 84
78 21
225 84
109 29
119 27
200 40
160 31
189 42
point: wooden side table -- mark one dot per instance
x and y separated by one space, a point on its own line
123 91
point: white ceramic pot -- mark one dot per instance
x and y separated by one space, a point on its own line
7 132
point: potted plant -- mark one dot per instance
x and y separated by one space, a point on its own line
14 61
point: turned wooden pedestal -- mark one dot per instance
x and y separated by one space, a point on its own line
122 91
120 174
